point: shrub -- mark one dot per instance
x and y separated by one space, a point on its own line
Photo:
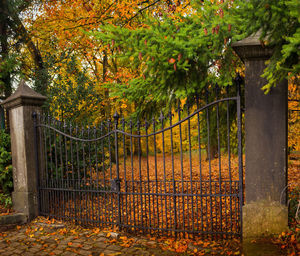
6 200
6 178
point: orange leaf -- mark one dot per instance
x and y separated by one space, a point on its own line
179 56
172 61
229 27
96 230
292 238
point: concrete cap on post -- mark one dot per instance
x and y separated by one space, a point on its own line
23 96
252 48
21 106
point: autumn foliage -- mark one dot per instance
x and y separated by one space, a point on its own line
139 57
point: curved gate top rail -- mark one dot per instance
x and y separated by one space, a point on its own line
39 124
183 176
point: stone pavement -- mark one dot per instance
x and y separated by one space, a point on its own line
40 238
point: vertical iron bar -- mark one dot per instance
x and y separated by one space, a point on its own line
173 177
110 165
89 213
72 167
209 159
148 175
116 117
50 165
125 173
200 164
229 158
156 178
161 119
219 156
56 193
66 185
109 148
103 172
46 191
97 178
191 165
181 165
77 185
61 169
84 177
55 153
42 170
132 178
240 153
140 171
34 115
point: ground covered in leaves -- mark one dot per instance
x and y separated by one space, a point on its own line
4 210
50 237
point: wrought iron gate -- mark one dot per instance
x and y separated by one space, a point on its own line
180 174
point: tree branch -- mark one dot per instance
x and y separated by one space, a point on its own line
140 11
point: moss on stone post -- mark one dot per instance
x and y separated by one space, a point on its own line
21 106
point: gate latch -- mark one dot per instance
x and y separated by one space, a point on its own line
115 185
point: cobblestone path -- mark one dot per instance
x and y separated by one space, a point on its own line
38 238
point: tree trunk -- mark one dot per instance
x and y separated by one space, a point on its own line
41 73
213 151
5 80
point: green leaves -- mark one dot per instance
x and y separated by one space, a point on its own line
176 56
6 180
278 22
172 57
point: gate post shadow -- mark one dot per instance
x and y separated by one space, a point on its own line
21 106
265 211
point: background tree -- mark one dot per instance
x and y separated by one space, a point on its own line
279 25
60 27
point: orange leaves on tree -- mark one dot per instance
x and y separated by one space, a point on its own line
229 27
140 56
179 56
171 60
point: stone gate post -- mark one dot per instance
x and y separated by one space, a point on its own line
21 105
265 211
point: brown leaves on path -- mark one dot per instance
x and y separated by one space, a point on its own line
78 240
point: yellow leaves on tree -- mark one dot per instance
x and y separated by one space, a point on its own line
59 28
294 114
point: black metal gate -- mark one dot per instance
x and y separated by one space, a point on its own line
176 175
